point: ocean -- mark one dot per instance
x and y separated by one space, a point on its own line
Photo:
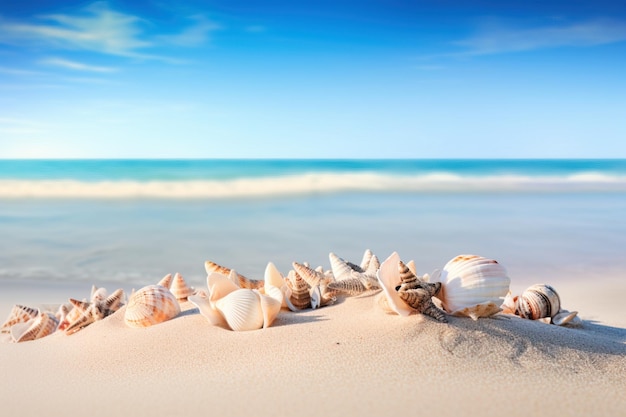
133 221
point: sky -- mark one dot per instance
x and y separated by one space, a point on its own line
318 79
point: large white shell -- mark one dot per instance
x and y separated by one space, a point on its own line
240 309
151 305
473 286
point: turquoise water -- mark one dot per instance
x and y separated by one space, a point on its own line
540 235
219 179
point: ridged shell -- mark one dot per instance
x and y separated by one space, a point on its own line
180 289
320 294
19 314
242 310
389 278
92 312
298 296
151 305
41 326
242 281
473 286
166 281
538 301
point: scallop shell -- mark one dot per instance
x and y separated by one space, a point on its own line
242 281
538 301
180 289
151 305
41 326
239 309
473 286
19 314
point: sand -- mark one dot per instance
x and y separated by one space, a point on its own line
349 359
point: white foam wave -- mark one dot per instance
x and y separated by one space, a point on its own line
314 183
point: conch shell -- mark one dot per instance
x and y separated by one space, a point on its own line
18 314
473 286
151 305
239 309
241 280
44 324
404 292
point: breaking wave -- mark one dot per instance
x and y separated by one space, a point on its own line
306 184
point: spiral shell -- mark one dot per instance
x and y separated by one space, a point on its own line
41 326
180 289
151 305
537 302
473 286
18 314
298 297
242 281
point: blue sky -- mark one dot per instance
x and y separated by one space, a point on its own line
323 79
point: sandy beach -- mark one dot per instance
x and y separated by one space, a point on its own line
350 358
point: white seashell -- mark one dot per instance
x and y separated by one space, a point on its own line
473 286
19 314
151 305
239 309
180 289
564 317
98 294
389 278
41 326
242 310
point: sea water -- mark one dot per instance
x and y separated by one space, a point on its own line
133 221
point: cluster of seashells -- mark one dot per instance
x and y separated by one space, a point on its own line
468 286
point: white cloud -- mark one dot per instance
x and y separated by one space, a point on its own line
97 28
194 35
497 39
76 66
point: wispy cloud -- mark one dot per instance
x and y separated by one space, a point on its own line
196 34
497 38
97 28
18 71
76 66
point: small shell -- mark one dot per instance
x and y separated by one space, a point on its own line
151 305
298 296
538 301
41 326
166 281
180 289
357 281
321 295
389 278
473 286
19 314
92 312
243 281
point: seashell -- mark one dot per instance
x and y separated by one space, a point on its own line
356 280
98 294
388 277
538 301
41 326
473 286
418 294
298 296
91 312
151 305
564 317
243 281
180 289
18 314
166 281
240 309
321 295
